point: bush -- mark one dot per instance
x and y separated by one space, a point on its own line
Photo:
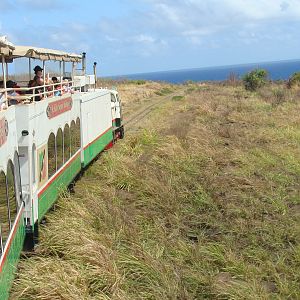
255 79
177 98
294 80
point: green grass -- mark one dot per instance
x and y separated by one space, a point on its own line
164 91
177 98
203 203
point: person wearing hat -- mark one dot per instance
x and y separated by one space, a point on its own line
38 71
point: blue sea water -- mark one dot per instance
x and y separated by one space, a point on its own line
280 70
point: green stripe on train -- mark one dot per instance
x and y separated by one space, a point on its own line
47 199
97 146
10 264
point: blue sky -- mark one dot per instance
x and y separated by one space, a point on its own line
127 36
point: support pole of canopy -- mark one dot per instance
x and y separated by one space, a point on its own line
61 76
44 78
29 67
6 67
64 68
73 73
4 78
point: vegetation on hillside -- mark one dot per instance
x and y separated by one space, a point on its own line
203 203
294 80
255 79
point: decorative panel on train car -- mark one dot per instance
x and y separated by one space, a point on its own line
42 165
59 107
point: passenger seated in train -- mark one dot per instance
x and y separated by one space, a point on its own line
66 87
12 94
2 98
38 71
38 83
56 87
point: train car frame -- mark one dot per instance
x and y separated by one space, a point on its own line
44 145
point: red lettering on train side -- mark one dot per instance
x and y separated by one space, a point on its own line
59 107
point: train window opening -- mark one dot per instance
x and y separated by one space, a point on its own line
17 179
73 137
51 155
59 148
78 135
67 143
33 164
11 192
4 218
113 98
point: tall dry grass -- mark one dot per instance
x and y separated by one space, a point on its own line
203 203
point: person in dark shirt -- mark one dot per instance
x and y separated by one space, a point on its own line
38 71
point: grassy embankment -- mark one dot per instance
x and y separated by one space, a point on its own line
201 204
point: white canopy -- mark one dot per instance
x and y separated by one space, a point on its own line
44 54
6 47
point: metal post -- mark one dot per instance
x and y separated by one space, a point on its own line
83 63
29 66
4 78
73 72
44 78
6 67
95 74
64 68
61 76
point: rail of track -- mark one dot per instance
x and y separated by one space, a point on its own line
140 114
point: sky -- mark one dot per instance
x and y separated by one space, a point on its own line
139 36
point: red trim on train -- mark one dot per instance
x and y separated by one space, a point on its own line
69 162
4 255
99 136
57 174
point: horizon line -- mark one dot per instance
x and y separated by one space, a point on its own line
205 68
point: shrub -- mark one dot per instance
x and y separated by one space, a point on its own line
177 98
294 80
255 79
232 79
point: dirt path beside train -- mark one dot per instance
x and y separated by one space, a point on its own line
133 118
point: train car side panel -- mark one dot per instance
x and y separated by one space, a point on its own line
8 264
48 195
96 118
12 229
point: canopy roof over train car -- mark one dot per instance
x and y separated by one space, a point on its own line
6 47
45 54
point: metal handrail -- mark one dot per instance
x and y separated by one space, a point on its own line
43 94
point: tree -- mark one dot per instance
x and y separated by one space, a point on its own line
255 79
294 80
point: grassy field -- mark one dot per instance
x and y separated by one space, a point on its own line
202 203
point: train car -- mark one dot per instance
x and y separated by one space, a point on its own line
12 225
45 144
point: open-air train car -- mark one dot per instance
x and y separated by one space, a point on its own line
44 145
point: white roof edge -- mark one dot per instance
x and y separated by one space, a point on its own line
5 45
45 54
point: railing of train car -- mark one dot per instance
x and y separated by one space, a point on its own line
30 94
10 204
27 95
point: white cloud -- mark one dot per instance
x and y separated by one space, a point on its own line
41 4
143 38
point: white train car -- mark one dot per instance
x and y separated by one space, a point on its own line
12 225
45 144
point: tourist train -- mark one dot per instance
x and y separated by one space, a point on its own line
47 136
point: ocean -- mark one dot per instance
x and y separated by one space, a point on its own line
280 70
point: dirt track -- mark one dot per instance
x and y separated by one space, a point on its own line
133 118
